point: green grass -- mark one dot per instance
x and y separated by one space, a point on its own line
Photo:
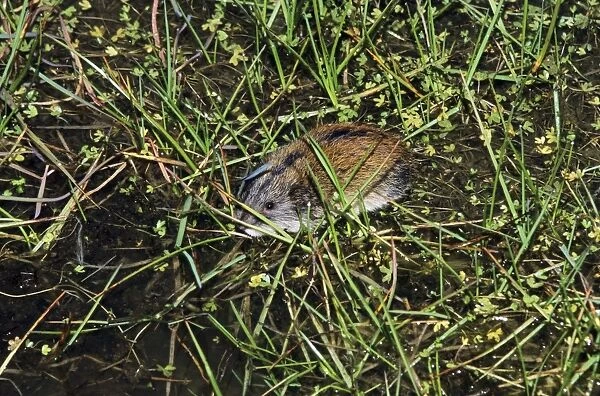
123 146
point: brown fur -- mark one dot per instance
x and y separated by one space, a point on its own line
372 167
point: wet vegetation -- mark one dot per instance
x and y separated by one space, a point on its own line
127 127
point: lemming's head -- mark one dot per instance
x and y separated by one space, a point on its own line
268 191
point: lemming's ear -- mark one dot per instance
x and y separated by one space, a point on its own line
302 194
264 168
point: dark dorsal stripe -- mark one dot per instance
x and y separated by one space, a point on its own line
344 132
286 163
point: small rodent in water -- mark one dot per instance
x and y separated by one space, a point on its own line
371 165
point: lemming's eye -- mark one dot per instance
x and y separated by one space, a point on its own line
269 205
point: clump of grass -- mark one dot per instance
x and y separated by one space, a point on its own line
128 143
